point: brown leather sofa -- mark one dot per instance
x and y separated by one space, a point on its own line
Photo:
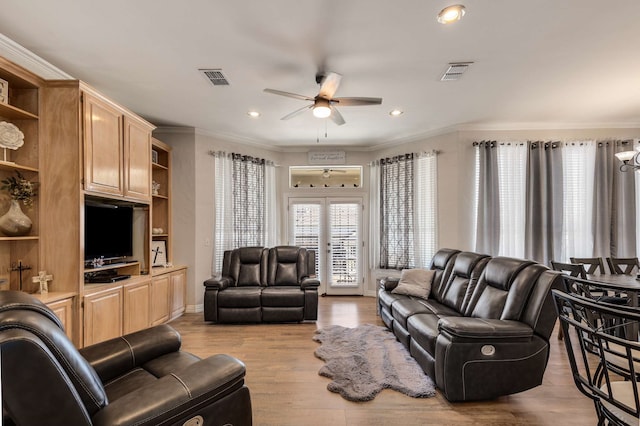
138 379
484 330
263 285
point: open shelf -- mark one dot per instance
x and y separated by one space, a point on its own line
11 112
9 166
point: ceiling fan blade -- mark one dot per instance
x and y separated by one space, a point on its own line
336 116
357 101
329 85
297 112
288 94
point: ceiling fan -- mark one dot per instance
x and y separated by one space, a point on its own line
326 173
324 104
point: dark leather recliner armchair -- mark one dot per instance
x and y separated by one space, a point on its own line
139 379
263 285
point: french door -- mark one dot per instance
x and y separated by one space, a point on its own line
333 228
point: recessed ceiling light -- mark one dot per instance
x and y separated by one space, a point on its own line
396 112
451 14
253 114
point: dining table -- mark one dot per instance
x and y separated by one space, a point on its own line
622 283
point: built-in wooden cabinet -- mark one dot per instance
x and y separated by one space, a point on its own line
160 299
117 155
79 145
178 292
136 309
20 256
169 290
103 146
102 315
137 159
161 195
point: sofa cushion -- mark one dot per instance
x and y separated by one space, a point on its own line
463 279
404 308
415 282
240 297
285 296
423 329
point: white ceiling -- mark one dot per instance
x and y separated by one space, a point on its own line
537 63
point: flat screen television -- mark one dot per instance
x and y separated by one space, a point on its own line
108 231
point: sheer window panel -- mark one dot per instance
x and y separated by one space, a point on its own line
512 175
578 159
425 209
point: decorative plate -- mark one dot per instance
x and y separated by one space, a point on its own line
10 136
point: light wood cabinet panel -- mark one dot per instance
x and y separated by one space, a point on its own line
102 316
64 310
160 299
178 292
103 146
137 159
136 314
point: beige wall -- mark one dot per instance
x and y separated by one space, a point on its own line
193 187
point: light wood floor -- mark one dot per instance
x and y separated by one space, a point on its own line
282 376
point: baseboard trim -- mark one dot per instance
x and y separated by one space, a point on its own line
195 309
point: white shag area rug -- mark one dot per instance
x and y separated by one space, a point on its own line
364 360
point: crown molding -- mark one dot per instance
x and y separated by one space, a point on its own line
29 60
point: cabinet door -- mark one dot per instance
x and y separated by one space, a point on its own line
102 316
64 310
160 299
178 293
137 160
136 314
103 155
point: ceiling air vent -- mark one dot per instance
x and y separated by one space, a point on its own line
455 71
215 76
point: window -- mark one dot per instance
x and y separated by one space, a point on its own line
407 210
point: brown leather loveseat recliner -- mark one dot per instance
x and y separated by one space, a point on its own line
138 379
484 330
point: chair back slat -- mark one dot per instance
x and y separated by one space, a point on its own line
623 265
571 269
604 358
593 265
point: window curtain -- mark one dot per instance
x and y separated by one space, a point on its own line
245 204
404 226
543 229
577 201
223 222
396 212
488 202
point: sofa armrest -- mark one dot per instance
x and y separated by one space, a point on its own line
310 283
177 396
115 357
389 283
219 283
463 328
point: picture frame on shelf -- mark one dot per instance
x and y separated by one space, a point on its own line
154 156
4 91
158 253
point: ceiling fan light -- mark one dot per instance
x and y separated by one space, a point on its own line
321 108
451 14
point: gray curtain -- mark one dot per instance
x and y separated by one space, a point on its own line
543 228
396 212
247 186
488 214
614 203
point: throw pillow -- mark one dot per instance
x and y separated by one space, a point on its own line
415 282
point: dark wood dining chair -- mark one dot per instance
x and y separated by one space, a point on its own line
623 265
593 265
573 270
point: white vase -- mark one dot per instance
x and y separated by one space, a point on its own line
14 222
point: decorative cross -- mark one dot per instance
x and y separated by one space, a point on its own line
43 278
156 252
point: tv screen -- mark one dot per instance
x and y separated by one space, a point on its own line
108 231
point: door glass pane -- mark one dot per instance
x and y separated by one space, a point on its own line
306 228
344 244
